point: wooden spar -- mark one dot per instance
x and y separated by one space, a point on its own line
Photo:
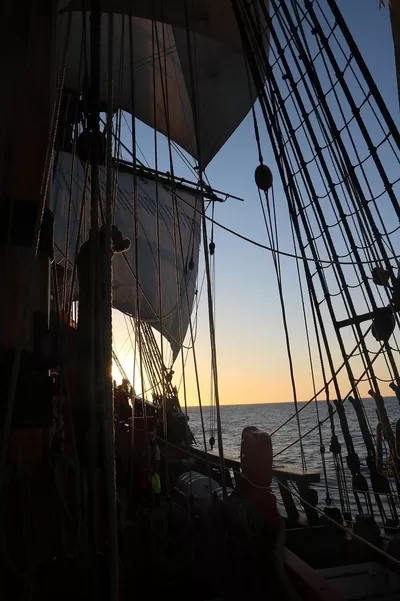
26 105
165 177
355 320
178 182
364 317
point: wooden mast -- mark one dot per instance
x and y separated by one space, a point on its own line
27 35
26 106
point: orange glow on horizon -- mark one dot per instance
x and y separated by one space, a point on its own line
240 387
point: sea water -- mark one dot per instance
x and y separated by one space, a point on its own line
286 446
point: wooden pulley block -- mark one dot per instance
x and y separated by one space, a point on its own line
263 177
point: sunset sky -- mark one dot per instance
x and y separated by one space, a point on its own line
252 359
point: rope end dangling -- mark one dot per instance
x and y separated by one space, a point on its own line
263 177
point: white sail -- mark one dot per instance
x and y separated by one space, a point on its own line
178 243
163 78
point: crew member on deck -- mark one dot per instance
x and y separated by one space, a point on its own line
155 465
121 402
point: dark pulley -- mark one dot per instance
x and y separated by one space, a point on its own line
263 177
380 276
383 324
91 145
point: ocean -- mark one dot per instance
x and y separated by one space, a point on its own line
270 416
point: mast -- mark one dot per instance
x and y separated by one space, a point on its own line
394 10
27 107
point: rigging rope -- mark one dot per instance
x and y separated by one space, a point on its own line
279 122
136 236
269 248
316 395
212 396
276 261
108 403
154 37
205 250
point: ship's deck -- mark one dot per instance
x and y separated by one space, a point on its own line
362 582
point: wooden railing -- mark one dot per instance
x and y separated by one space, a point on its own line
284 476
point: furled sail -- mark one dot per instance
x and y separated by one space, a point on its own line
163 77
177 238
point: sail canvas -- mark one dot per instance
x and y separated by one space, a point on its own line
168 244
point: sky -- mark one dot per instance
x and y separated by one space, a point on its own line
251 350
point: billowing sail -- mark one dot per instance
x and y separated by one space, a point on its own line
177 238
164 77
